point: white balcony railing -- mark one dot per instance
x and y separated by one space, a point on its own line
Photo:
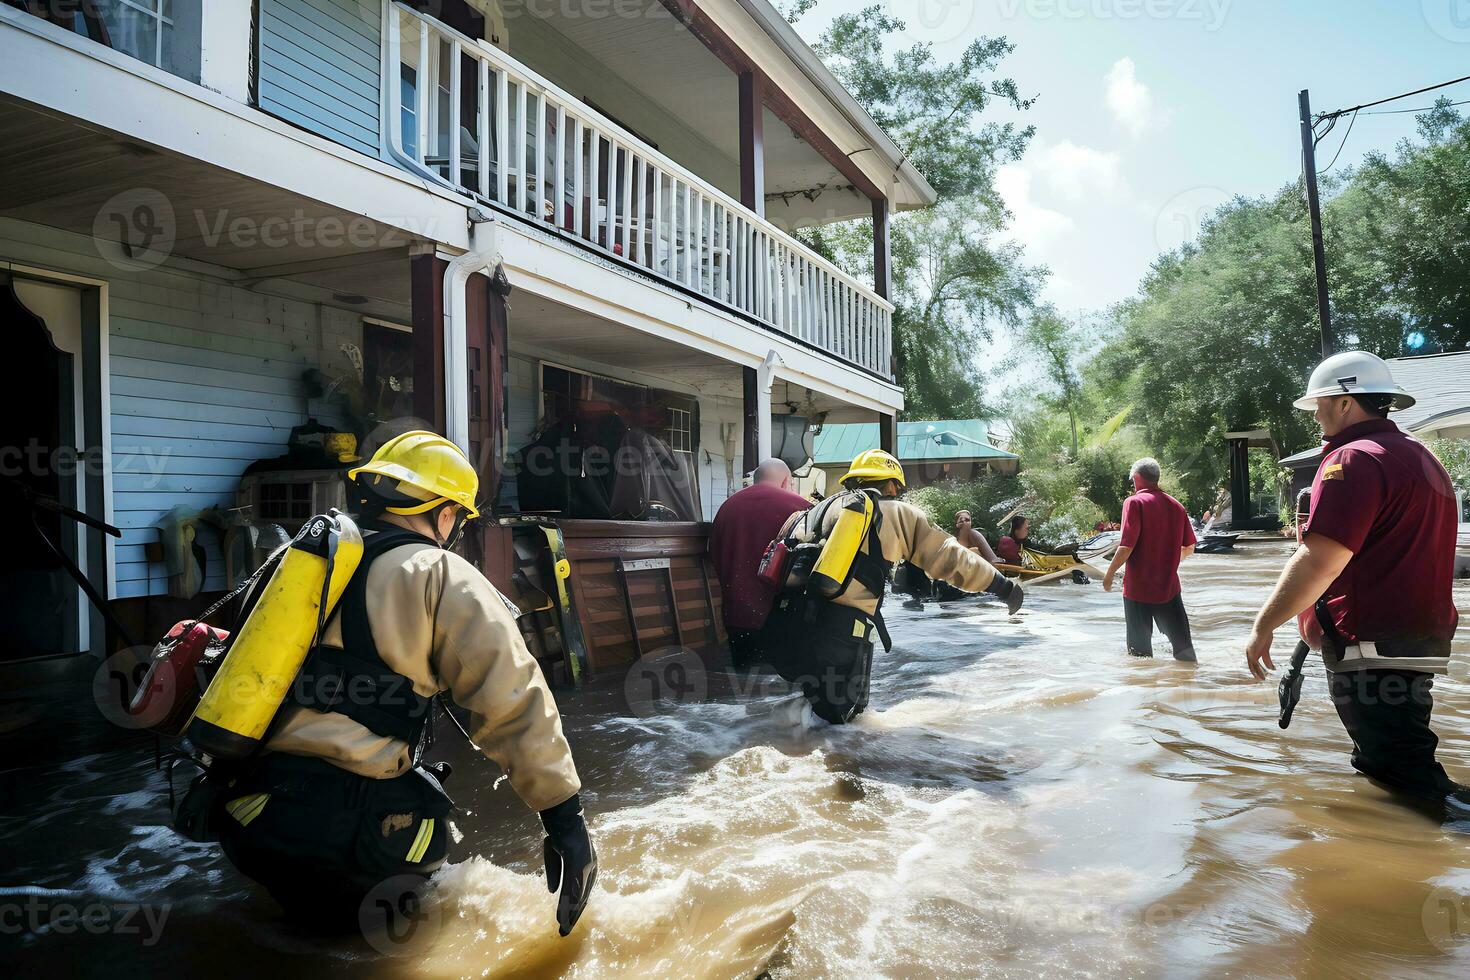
617 194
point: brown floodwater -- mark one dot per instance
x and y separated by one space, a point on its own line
1022 799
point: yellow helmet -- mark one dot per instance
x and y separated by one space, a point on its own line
424 466
875 464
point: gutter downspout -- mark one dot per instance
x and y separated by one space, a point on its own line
483 255
765 377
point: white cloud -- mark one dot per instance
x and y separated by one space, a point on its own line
1128 99
1034 226
1076 172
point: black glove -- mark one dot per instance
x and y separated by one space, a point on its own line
1008 591
571 861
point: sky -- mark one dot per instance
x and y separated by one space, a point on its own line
1152 113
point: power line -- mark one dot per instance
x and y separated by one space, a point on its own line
1428 108
1395 98
1351 123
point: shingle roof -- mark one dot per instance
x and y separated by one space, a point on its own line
948 441
1440 382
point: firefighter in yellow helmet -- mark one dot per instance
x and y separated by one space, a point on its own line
336 806
842 556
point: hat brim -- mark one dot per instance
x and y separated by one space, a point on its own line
1308 402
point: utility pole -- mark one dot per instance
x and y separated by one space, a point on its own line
1314 205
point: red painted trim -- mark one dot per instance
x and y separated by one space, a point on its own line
427 292
752 143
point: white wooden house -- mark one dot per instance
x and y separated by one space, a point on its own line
201 200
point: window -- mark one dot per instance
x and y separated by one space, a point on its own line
680 438
387 370
408 79
610 449
141 28
164 33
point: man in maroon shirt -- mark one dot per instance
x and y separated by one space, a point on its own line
745 523
1376 564
1157 536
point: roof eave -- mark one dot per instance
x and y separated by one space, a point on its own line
785 36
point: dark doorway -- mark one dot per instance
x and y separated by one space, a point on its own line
38 598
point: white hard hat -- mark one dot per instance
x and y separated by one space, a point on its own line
1353 372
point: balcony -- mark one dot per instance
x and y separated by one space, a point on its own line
469 116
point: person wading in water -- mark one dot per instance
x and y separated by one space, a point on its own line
827 647
1373 574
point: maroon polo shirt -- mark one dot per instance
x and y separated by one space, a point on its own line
1384 497
1155 526
745 523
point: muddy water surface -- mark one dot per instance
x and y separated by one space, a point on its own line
1021 800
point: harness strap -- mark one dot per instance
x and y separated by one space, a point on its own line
353 680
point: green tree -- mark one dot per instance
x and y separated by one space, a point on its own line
1057 343
955 276
1402 255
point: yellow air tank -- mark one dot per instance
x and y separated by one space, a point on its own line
834 564
268 649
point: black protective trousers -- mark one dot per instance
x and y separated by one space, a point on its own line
826 650
1170 617
329 844
1386 712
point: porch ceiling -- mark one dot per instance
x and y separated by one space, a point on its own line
583 340
657 55
59 172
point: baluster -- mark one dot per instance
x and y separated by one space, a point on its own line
735 282
559 191
539 155
594 184
523 152
426 84
696 235
658 219
503 157
687 260
482 127
579 186
456 108
628 202
641 179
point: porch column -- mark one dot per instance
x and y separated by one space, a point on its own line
486 335
766 377
752 144
888 433
1240 482
752 419
427 297
882 274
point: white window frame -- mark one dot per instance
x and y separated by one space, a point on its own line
157 14
685 442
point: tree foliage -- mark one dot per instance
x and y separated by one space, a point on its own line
1224 330
955 276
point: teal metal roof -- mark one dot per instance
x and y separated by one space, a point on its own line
943 441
